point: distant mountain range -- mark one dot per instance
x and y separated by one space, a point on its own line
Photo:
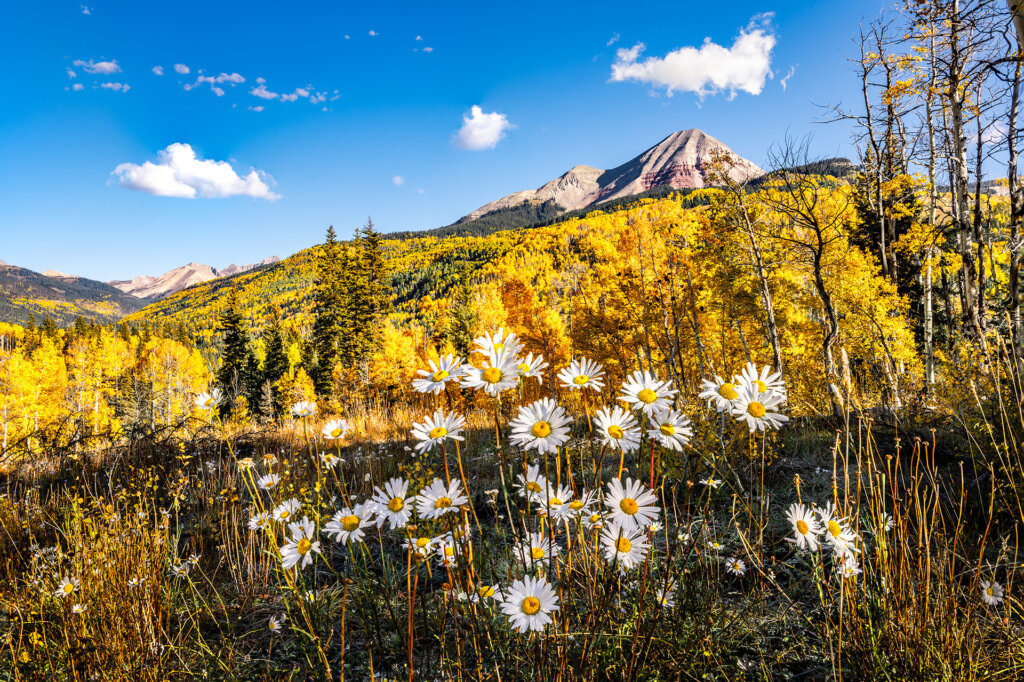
678 161
153 288
24 293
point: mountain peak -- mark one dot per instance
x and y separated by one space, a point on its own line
678 161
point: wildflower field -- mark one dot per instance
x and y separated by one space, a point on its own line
529 522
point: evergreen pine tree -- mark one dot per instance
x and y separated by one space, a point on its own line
237 359
275 365
329 310
462 320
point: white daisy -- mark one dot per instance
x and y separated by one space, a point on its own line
302 546
275 624
499 373
447 552
286 510
329 460
433 380
529 603
536 550
625 548
581 505
557 502
757 409
207 401
67 586
671 429
421 547
246 463
837 533
498 343
541 426
439 499
666 596
595 521
346 526
532 367
631 506
617 429
336 428
259 521
391 505
304 408
583 373
805 527
885 521
531 484
719 392
991 592
78 608
268 481
849 568
763 380
437 428
711 482
644 392
735 566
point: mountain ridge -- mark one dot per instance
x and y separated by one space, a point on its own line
153 288
677 161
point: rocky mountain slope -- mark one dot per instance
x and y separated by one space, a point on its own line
153 288
677 161
25 292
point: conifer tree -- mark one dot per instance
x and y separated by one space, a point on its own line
237 359
329 310
275 365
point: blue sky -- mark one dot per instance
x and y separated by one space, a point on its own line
366 108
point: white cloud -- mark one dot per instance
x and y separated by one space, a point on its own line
158 70
480 130
348 37
374 33
611 41
419 37
98 67
181 68
72 74
706 70
86 10
231 79
77 87
398 180
307 92
428 49
116 87
179 173
262 92
785 79
421 191
257 108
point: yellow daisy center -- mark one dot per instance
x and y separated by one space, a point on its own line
524 368
802 527
629 505
727 391
485 591
208 402
537 553
834 528
303 546
442 503
989 591
396 504
541 430
69 588
667 430
647 396
491 375
530 605
554 501
581 379
594 518
422 542
615 431
575 505
440 375
755 409
350 522
533 486
449 550
438 432
623 545
761 386
335 433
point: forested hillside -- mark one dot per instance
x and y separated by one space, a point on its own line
24 293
